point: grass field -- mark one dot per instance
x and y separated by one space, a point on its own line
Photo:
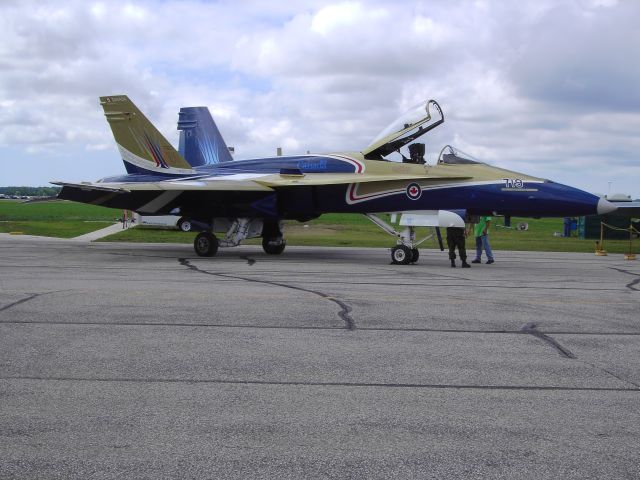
68 219
54 219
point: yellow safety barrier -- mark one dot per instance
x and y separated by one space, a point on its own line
600 251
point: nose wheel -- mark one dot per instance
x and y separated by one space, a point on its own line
406 251
403 255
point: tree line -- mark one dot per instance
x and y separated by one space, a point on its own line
30 191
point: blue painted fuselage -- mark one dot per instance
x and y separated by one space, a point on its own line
503 196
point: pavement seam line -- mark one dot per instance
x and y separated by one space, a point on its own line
286 327
320 384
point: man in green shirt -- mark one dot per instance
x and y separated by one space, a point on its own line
481 232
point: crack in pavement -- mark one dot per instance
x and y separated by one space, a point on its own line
18 302
615 375
530 328
344 312
30 297
631 285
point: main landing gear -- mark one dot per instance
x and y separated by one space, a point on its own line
273 242
273 246
406 251
206 244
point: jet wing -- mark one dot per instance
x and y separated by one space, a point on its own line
157 196
248 182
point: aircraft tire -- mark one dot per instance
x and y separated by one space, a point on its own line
271 249
401 255
184 225
415 255
205 244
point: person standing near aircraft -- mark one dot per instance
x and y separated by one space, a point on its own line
481 233
456 238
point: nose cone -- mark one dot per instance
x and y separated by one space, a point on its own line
605 206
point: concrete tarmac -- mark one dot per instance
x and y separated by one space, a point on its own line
145 361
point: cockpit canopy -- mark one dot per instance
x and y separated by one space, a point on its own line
414 123
452 156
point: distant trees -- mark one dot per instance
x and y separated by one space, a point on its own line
30 191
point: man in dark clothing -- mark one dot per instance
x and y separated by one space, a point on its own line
456 238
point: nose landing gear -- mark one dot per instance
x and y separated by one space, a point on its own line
406 251
403 255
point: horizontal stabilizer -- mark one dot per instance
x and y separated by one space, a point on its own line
88 186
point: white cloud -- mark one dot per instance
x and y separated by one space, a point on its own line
548 87
347 18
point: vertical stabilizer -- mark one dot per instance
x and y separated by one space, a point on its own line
142 146
200 140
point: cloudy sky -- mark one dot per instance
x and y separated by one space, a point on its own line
550 88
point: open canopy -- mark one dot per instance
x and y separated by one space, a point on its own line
412 124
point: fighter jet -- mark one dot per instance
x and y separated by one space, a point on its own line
231 200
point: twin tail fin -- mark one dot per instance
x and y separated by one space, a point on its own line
143 148
200 140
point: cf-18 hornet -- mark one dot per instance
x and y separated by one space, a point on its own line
231 200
